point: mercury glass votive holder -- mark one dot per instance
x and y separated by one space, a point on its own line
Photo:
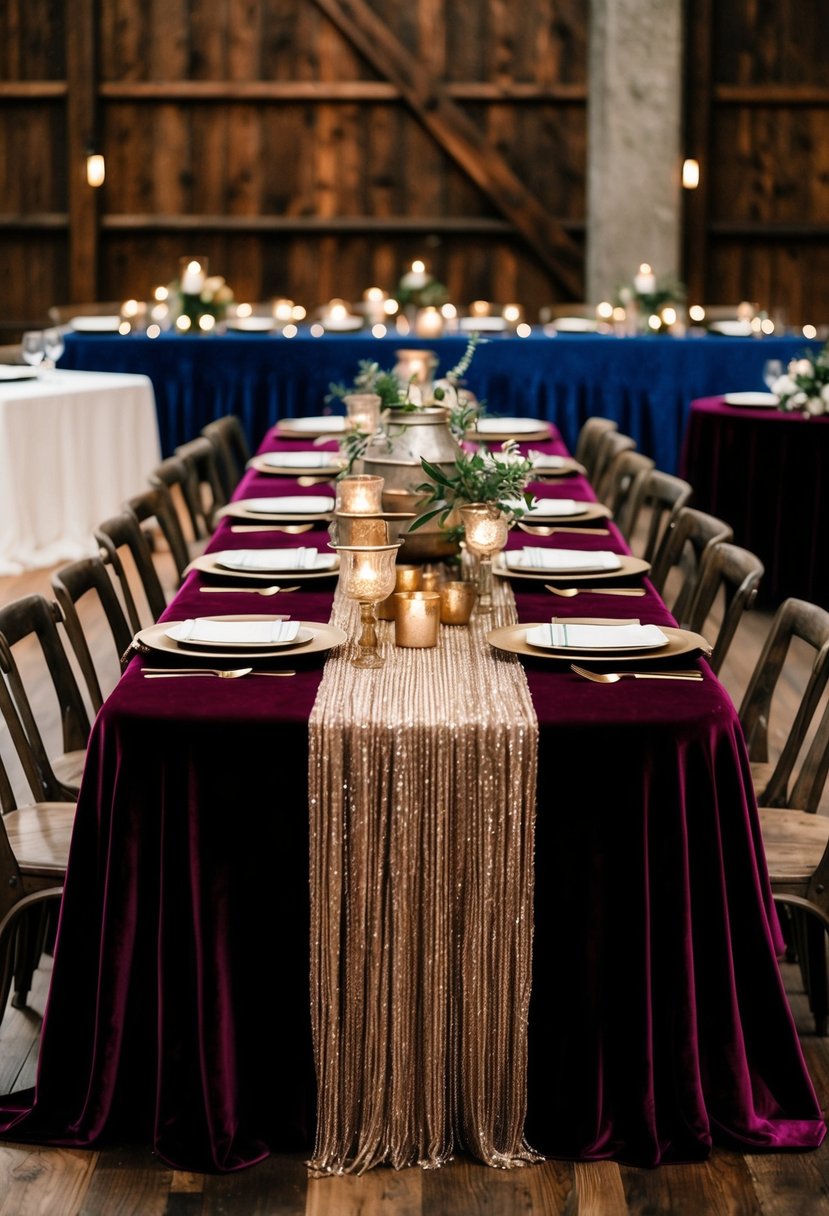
486 528
361 530
407 578
416 619
367 576
363 411
456 602
360 494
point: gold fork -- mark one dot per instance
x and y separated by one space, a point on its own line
613 677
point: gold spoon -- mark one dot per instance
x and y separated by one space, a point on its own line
613 677
292 529
543 530
569 592
249 590
231 673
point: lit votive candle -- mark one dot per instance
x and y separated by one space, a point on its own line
363 411
360 495
417 618
407 578
374 305
456 603
283 311
429 323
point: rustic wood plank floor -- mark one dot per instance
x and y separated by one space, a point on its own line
130 1181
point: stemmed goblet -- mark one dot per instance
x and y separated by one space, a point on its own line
53 346
367 575
486 528
32 348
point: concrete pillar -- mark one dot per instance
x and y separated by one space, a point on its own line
634 129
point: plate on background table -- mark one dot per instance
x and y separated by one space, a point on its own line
298 464
311 428
212 564
95 325
513 640
762 401
628 566
251 325
323 638
547 468
500 430
295 508
572 325
731 329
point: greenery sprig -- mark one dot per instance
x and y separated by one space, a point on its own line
482 477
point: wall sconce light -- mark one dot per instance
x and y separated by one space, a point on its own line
690 174
95 169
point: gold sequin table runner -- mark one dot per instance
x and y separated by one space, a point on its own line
422 793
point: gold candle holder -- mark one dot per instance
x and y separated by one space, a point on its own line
407 578
486 528
417 619
367 576
363 411
430 580
361 530
456 603
360 494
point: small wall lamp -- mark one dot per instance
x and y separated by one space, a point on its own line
690 174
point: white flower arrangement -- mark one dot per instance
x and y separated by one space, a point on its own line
804 386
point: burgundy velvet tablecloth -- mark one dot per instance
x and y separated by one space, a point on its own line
179 1010
766 473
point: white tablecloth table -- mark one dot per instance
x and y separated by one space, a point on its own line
73 447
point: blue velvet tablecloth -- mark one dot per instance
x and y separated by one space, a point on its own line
646 384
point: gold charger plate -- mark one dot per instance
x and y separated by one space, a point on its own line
323 637
628 566
512 640
311 428
327 472
569 468
592 510
543 431
207 564
238 510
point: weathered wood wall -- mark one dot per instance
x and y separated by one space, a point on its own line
312 148
758 119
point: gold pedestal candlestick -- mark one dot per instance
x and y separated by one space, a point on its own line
486 528
367 575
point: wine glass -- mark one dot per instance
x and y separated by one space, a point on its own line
53 346
772 371
32 348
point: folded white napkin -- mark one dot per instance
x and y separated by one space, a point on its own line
497 426
552 508
205 629
559 635
263 560
302 504
324 422
536 558
542 461
299 460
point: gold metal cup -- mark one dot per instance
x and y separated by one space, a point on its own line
456 603
408 578
417 619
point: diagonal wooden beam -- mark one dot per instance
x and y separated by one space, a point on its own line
460 139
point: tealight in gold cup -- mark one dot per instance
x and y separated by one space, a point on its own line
456 603
416 619
408 578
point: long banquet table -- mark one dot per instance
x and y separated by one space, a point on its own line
645 383
179 1006
765 471
73 446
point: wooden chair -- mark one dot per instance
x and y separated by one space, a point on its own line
232 449
62 314
796 839
155 508
588 440
621 483
71 584
34 850
203 491
736 574
611 445
659 496
30 623
121 534
683 545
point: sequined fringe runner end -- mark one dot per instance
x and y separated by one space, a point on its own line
422 800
